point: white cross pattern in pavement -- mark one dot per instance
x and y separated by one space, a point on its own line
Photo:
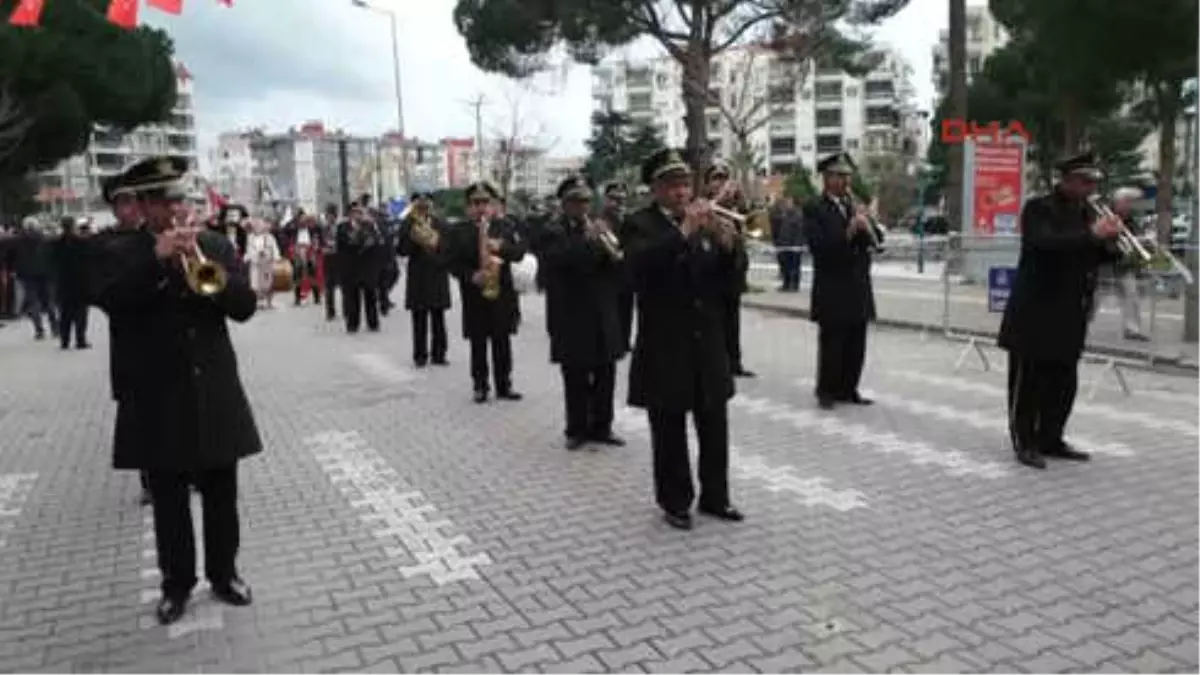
953 462
14 490
811 492
373 488
977 419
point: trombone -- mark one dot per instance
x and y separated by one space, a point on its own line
1129 244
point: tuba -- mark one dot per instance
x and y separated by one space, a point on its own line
489 265
423 233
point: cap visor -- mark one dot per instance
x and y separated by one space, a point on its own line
672 170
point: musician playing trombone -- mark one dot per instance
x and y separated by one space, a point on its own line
182 415
1064 241
584 263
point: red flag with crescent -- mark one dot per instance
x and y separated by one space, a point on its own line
27 13
168 6
123 13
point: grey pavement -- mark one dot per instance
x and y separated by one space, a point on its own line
904 298
393 525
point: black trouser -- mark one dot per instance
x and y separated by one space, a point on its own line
733 330
501 362
625 315
789 269
173 531
357 296
422 321
305 269
673 486
588 393
841 350
1040 397
331 284
73 316
38 300
387 281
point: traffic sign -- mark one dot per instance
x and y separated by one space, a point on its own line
1000 283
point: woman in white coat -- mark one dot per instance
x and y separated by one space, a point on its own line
262 252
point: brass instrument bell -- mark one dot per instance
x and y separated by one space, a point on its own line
205 277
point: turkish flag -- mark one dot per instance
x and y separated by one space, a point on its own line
123 13
27 13
168 6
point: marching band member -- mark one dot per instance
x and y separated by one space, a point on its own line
358 240
684 263
262 252
481 253
304 244
584 262
327 264
840 238
182 414
1063 244
427 285
730 197
615 196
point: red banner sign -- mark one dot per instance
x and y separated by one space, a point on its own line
997 180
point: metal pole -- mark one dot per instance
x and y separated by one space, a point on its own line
399 103
1191 330
344 174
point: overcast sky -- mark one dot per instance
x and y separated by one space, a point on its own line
276 64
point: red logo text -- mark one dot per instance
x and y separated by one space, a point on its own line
956 131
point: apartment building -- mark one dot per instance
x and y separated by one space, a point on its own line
73 187
984 36
791 114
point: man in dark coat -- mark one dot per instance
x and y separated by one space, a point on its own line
70 260
583 278
35 269
388 268
329 260
1063 244
731 198
427 285
358 241
683 266
182 414
787 234
841 239
487 321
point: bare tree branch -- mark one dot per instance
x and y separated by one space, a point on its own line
762 14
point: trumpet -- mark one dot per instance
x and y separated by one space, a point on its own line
1127 242
601 232
205 277
859 209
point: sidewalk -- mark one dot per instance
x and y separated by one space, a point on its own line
905 299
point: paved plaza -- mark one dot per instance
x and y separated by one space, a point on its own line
393 525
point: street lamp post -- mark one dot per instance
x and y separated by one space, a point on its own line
363 4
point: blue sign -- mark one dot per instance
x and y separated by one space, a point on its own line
396 207
1000 283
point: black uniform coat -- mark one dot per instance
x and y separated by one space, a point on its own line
70 255
182 408
841 284
427 285
359 260
582 283
1053 296
482 317
679 358
122 364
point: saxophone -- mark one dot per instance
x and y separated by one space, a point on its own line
489 265
424 234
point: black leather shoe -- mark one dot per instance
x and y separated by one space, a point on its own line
509 395
441 362
146 499
83 345
1031 458
420 363
574 443
233 592
742 372
679 521
170 609
481 396
726 512
825 403
609 438
1065 451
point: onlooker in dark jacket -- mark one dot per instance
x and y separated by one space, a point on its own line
787 231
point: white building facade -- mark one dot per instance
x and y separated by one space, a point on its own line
73 187
794 115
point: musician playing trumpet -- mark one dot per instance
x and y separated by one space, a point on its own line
1064 242
726 194
182 415
427 284
841 237
481 252
683 264
583 263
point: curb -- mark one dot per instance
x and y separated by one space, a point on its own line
1131 358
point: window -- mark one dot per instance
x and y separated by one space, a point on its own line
781 94
882 115
851 143
827 143
806 94
831 117
661 80
851 92
639 102
829 91
975 65
881 88
783 145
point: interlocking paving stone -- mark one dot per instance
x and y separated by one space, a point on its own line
868 546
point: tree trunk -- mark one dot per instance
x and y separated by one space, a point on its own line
696 72
1167 107
957 110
